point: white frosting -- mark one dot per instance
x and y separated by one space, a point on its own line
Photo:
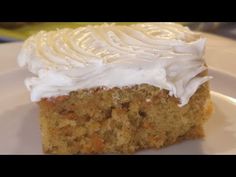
165 55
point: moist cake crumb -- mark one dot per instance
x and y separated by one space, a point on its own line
96 121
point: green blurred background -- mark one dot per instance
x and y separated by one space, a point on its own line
18 31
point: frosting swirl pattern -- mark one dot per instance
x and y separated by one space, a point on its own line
166 55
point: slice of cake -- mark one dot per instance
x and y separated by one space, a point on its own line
117 88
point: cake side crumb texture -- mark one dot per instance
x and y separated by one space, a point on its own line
120 120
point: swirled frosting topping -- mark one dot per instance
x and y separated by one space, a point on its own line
166 55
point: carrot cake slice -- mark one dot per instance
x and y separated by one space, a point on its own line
117 88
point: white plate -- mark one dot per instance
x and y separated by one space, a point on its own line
19 125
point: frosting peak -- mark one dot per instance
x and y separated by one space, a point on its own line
166 55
